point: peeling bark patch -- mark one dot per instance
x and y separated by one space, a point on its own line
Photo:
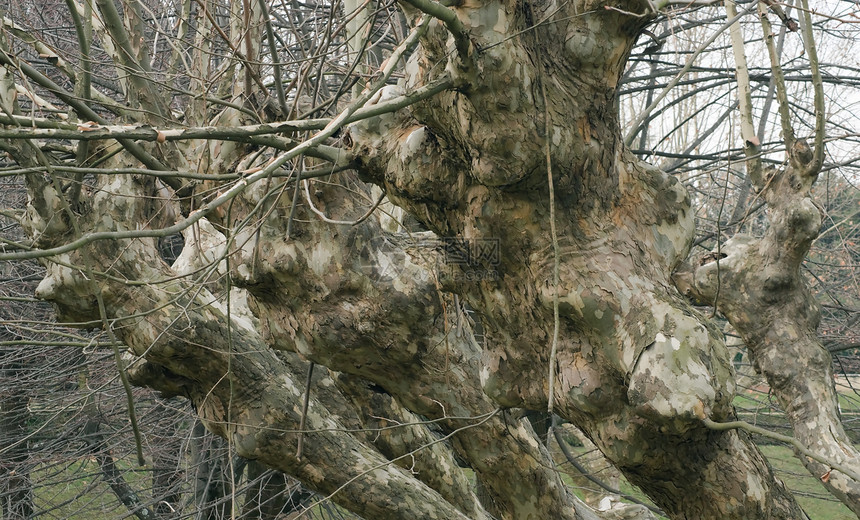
670 381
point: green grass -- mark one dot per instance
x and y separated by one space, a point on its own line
810 493
849 404
76 491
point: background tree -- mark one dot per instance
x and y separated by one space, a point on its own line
194 178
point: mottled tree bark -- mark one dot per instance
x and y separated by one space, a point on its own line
330 297
598 480
757 284
637 368
240 387
532 99
242 390
397 432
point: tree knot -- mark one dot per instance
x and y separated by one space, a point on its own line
801 152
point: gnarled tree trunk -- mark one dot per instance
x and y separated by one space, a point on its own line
637 368
541 222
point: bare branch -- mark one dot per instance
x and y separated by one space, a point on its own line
752 146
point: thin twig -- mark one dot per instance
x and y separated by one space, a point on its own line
276 65
484 419
751 144
327 220
778 80
796 444
305 402
41 128
587 474
83 110
634 126
555 268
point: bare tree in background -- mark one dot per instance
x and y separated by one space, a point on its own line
197 190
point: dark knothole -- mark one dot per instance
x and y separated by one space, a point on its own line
170 247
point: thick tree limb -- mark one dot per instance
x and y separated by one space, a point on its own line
233 382
429 369
765 298
587 474
452 22
817 161
143 91
637 368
